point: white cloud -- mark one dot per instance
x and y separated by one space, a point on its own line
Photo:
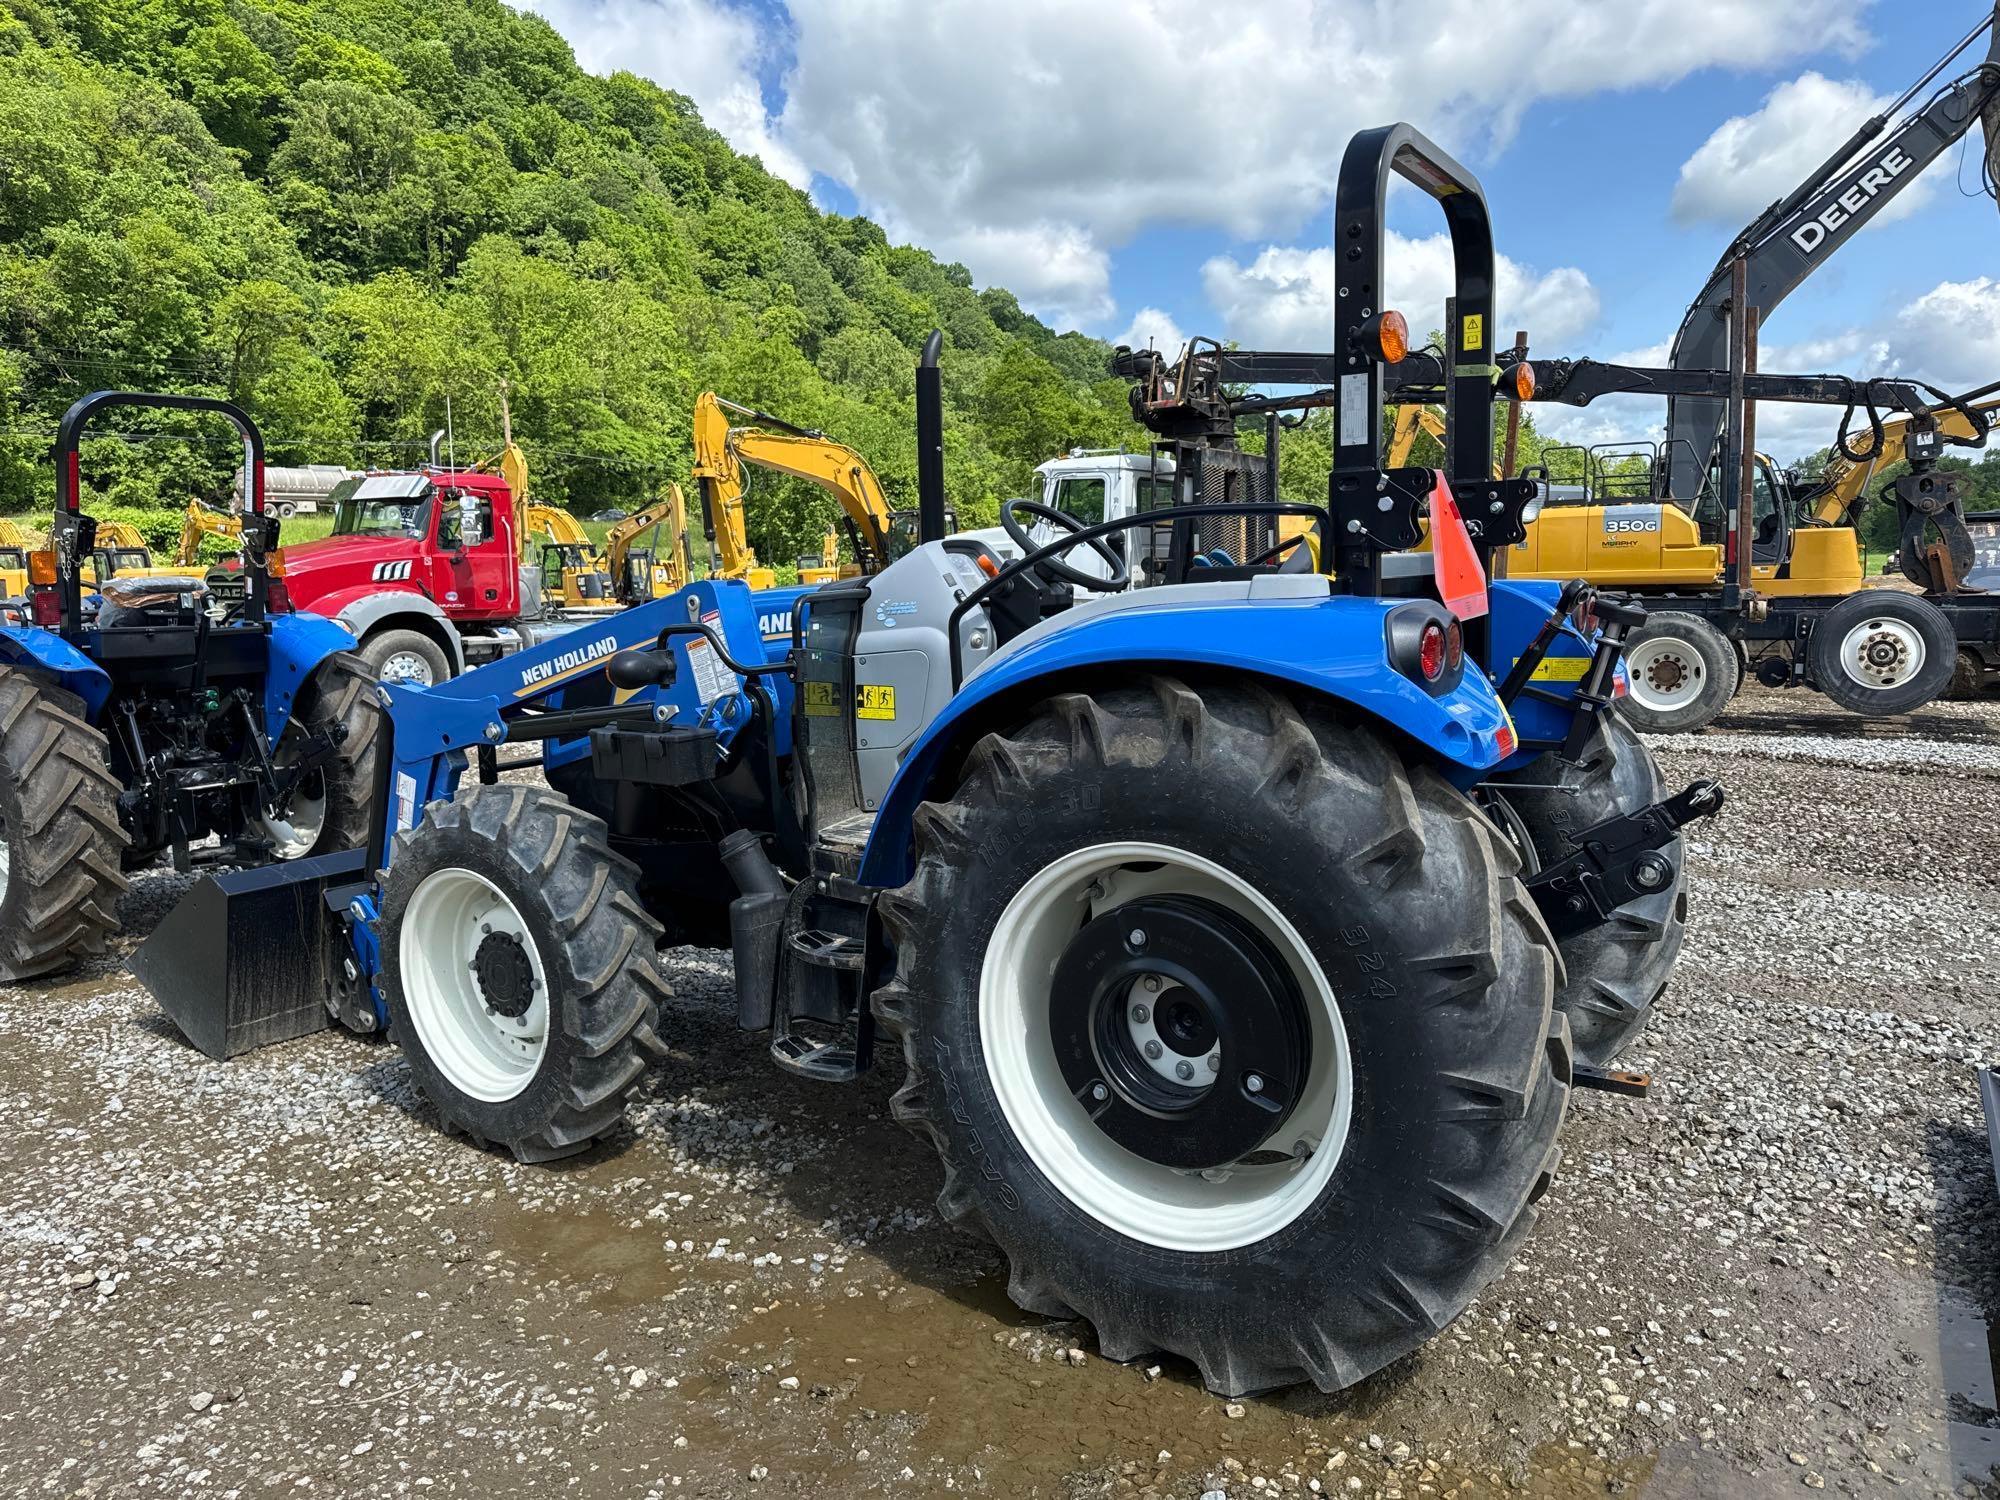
993 133
1284 298
1152 328
696 47
1055 269
1753 160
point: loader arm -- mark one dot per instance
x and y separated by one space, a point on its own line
722 453
1792 238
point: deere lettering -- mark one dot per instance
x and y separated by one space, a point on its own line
1810 235
568 661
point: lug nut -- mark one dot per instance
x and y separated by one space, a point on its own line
1152 981
1140 1013
1215 1062
1254 1082
1099 1092
1184 1071
1153 1051
1138 937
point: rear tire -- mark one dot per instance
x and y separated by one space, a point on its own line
60 840
1424 975
405 656
517 965
1683 673
1882 651
331 808
1618 971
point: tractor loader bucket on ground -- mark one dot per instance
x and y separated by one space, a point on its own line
241 961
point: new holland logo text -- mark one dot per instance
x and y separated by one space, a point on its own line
394 572
1810 235
569 661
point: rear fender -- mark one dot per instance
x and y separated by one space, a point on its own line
299 643
1333 647
46 653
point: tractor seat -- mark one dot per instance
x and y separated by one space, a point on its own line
150 603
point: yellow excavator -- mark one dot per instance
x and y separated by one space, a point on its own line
642 573
723 449
16 542
826 567
1410 420
571 569
201 521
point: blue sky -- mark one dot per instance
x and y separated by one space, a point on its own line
1137 167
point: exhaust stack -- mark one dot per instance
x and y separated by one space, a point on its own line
930 442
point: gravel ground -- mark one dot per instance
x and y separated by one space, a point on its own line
274 1276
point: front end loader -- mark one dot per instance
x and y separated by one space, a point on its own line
1219 927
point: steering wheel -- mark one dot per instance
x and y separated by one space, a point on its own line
1121 574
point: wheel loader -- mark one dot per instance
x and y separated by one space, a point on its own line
1236 937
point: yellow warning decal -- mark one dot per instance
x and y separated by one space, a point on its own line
1475 332
1560 669
875 700
820 701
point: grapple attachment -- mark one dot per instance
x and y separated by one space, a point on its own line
245 959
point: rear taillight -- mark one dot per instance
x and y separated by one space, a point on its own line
1430 652
277 598
45 605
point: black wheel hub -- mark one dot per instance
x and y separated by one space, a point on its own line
506 978
1179 1030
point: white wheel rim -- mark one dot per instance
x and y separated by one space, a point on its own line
295 828
481 1053
1882 652
1665 673
1198 1212
407 667
6 863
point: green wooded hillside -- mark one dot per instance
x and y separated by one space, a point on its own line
341 213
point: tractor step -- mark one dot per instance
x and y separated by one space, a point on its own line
830 1061
828 950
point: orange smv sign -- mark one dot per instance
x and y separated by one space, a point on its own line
1461 582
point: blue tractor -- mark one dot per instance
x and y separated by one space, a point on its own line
1232 906
151 712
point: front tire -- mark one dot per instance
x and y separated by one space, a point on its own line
1618 971
517 965
1374 957
1882 651
1682 672
60 840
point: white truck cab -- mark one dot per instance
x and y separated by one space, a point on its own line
1093 485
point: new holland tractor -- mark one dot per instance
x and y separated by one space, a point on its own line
1233 934
159 710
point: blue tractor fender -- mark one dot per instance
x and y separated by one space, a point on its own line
43 651
298 644
1333 646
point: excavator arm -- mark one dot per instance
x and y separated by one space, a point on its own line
200 521
1847 479
1786 243
667 572
723 452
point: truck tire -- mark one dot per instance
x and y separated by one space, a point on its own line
1616 972
1882 651
1683 673
330 810
1324 1132
406 656
518 969
60 839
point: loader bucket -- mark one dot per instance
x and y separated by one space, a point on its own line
242 961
